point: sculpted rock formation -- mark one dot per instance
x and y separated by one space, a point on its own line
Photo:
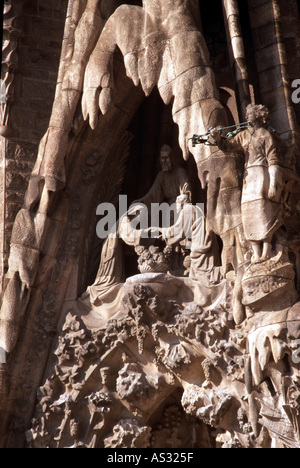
198 346
161 335
179 48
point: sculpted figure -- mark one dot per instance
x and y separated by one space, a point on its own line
107 289
169 182
264 179
190 229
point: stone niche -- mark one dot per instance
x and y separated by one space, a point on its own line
166 333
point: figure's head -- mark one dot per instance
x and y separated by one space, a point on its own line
182 200
257 112
167 158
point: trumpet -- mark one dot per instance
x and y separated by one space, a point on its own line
204 139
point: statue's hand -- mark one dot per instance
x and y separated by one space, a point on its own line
272 192
215 134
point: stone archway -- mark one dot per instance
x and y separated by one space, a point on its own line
45 264
51 239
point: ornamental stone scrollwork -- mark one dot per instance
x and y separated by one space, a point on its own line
131 384
128 434
210 407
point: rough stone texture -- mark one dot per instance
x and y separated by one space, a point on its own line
32 33
95 89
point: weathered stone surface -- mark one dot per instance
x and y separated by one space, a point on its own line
182 339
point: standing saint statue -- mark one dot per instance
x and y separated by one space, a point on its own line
266 170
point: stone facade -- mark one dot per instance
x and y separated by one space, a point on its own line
186 342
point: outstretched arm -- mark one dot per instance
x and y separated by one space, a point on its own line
226 145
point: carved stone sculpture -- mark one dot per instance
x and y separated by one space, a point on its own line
169 183
190 227
267 169
175 324
207 355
